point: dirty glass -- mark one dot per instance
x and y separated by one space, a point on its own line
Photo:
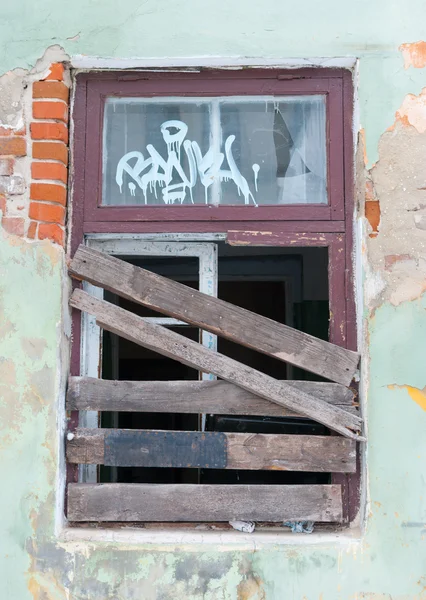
218 151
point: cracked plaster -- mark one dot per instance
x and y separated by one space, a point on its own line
36 564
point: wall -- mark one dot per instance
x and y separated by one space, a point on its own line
387 560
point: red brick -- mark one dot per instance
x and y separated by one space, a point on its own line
6 166
49 131
32 230
3 204
56 72
9 131
52 232
15 146
49 170
50 89
14 225
50 110
49 192
50 150
372 213
49 213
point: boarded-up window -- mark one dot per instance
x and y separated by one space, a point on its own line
241 390
212 371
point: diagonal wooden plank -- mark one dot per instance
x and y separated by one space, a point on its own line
219 397
124 502
173 345
212 450
222 318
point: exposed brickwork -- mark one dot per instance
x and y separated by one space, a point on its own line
52 232
36 209
49 131
56 72
3 204
372 208
14 225
50 89
50 151
50 110
49 192
48 213
48 170
9 131
32 230
13 145
49 167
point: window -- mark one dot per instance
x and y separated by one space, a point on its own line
233 185
214 151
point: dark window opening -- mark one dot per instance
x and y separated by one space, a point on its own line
289 286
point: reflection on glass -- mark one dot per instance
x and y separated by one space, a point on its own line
227 151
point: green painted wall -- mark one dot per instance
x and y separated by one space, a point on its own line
388 560
371 30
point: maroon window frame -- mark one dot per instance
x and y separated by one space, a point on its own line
276 225
93 89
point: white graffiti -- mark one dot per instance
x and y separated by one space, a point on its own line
153 171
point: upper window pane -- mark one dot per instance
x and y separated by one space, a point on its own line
228 151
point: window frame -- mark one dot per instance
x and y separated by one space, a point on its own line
292 226
92 90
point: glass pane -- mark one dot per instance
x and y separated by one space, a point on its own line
279 149
146 151
228 151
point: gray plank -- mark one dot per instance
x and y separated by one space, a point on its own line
124 502
173 345
218 397
222 318
212 450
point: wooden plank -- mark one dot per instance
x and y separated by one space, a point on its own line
171 344
222 318
124 502
212 450
217 397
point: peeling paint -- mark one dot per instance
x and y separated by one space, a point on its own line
419 396
413 111
37 562
414 54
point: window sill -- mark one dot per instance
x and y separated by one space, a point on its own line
171 537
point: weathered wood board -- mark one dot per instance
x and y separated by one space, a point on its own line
123 502
216 397
212 450
173 345
212 314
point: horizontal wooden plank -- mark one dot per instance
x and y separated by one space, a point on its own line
124 502
212 450
224 319
216 397
171 344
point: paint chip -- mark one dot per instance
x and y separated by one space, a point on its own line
414 55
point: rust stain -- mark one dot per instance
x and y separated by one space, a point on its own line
419 396
372 214
414 54
251 589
